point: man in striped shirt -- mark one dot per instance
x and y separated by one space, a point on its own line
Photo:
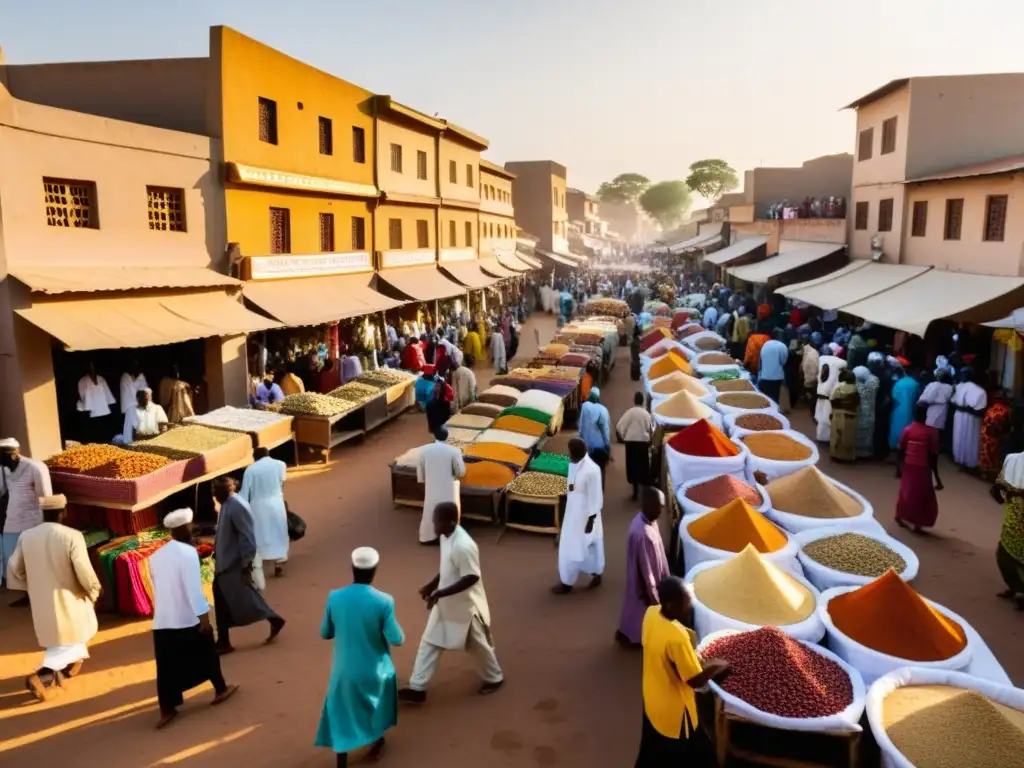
26 481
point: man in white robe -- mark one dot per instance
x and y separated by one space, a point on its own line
132 381
969 403
94 400
498 351
439 467
145 419
460 619
51 561
263 488
26 482
464 385
581 539
829 367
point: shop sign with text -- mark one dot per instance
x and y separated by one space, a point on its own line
413 258
312 265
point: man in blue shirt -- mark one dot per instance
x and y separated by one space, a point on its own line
772 371
595 430
710 317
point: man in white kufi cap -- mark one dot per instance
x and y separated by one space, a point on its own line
26 481
143 419
51 561
360 707
182 633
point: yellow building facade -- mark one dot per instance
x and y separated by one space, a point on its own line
497 214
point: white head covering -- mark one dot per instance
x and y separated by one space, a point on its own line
9 444
178 518
1013 470
57 501
365 558
145 389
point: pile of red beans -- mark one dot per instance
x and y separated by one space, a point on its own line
776 674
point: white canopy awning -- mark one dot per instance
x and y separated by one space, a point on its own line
734 251
1015 321
704 240
857 281
793 254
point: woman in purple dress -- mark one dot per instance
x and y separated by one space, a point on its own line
917 456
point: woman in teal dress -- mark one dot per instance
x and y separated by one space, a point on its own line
362 693
905 393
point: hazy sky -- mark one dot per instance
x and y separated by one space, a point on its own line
602 86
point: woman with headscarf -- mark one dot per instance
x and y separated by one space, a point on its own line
969 402
867 388
995 429
857 351
883 403
752 356
809 368
828 379
917 461
740 332
439 407
845 401
1009 491
905 393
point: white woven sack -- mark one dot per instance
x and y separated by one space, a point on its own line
708 370
677 424
706 621
538 399
824 577
691 508
883 686
797 523
685 467
726 410
693 338
735 431
772 468
695 553
662 347
847 721
708 400
873 664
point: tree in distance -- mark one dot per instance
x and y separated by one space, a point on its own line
712 178
624 188
667 202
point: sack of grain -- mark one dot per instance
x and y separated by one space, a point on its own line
781 443
768 422
691 507
706 621
734 403
681 410
696 552
846 721
704 341
954 730
663 347
825 576
873 664
815 500
685 467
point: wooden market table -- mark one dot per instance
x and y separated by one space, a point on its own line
539 501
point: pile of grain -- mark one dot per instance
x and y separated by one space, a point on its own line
732 385
669 363
186 442
679 382
708 342
683 405
539 484
355 392
508 454
938 726
107 461
482 409
747 400
776 446
758 422
702 438
736 526
714 358
468 421
809 493
487 474
753 590
720 490
314 404
855 553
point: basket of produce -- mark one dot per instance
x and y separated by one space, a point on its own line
744 402
314 405
931 718
552 463
500 452
264 427
516 439
107 473
725 532
706 494
540 485
704 341
780 682
742 424
885 625
842 556
683 409
747 591
721 385
702 450
777 454
500 395
205 449
810 499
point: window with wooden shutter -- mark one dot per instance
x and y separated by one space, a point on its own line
919 224
860 217
396 158
889 136
453 172
327 232
469 175
469 234
70 203
885 215
394 234
995 218
451 234
954 218
864 142
422 234
358 233
268 120
280 230
421 164
166 208
358 145
326 136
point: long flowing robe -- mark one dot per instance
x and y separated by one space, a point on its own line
752 355
236 550
498 353
439 467
845 405
867 387
262 487
362 692
967 426
646 566
916 503
579 551
1010 552
994 426
905 393
464 386
828 378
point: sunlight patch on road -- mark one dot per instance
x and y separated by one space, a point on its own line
206 746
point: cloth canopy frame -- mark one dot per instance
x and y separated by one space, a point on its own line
792 254
469 272
858 280
318 300
78 279
423 283
735 251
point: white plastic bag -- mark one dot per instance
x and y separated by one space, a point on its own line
693 338
735 431
685 467
773 468
847 721
885 685
797 523
690 507
706 621
695 553
873 664
824 577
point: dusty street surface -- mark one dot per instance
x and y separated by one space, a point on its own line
572 697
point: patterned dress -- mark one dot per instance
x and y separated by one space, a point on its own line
1010 553
993 431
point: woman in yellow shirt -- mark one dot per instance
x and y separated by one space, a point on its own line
671 672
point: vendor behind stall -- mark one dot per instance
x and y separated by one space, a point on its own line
144 419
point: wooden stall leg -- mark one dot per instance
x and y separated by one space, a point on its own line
721 734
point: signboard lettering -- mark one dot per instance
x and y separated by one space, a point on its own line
318 264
